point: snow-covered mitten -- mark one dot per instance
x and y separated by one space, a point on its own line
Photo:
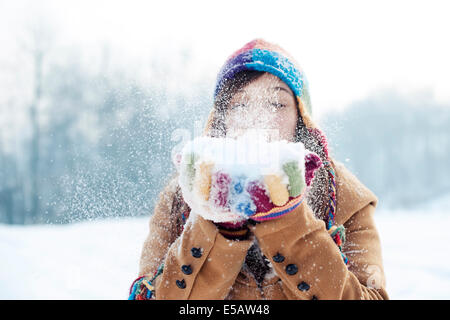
225 192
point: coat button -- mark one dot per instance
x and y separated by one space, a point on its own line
278 258
181 284
186 269
196 252
291 269
303 286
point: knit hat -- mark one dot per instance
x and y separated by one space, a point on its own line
261 55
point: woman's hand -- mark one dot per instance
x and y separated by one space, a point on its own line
227 194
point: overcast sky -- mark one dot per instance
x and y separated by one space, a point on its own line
348 49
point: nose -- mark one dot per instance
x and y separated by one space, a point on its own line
255 117
258 116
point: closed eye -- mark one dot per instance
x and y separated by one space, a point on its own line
278 105
238 105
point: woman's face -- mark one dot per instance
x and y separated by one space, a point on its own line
267 105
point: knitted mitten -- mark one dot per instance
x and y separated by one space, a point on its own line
312 162
235 193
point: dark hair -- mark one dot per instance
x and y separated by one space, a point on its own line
226 92
230 86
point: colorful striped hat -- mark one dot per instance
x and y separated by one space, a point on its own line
261 55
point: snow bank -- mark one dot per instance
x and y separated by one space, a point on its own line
88 260
416 252
99 260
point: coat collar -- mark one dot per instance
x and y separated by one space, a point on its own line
351 194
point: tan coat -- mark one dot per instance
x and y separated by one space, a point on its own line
299 237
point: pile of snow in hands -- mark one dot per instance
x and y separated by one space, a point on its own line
226 179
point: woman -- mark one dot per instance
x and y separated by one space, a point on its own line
326 248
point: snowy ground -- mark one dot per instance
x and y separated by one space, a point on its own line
98 260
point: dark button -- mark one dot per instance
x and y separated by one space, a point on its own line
291 269
186 269
278 258
196 252
314 298
181 284
303 286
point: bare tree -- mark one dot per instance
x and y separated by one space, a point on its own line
37 46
